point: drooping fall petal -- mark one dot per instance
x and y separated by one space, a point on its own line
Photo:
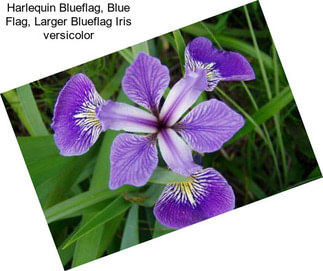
204 195
219 65
75 124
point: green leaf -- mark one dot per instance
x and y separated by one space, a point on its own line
164 176
109 232
140 47
52 174
130 235
91 242
12 98
68 177
80 202
117 207
66 254
114 84
266 112
42 158
180 48
151 195
169 38
160 230
152 48
147 198
127 55
31 111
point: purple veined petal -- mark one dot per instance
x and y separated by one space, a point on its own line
133 160
75 125
145 81
183 94
121 116
176 153
220 65
209 125
204 195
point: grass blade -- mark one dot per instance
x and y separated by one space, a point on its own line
266 112
114 84
117 207
130 235
79 202
31 111
109 233
87 247
13 99
127 55
140 47
67 178
52 174
180 48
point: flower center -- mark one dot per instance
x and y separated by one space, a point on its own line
161 125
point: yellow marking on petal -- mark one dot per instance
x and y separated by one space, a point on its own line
193 190
185 190
86 116
186 187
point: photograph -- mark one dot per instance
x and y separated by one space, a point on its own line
161 135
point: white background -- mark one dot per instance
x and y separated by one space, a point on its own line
283 232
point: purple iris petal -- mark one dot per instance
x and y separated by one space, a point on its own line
220 65
204 195
176 153
133 160
183 94
121 116
145 81
75 125
209 125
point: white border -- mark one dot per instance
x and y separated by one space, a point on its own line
283 232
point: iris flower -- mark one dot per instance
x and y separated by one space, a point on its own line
80 115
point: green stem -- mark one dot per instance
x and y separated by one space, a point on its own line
261 64
269 95
253 101
277 118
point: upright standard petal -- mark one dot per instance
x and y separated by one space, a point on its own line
145 81
176 153
133 160
183 94
75 124
204 195
219 65
121 116
209 125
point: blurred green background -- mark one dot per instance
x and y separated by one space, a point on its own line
270 154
